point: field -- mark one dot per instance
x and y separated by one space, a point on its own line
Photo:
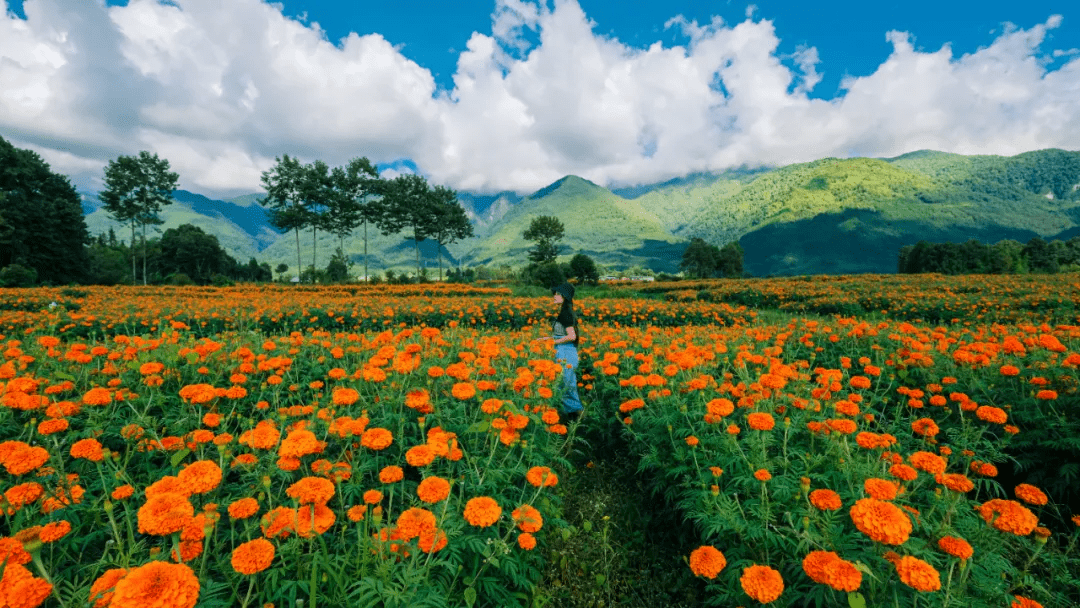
818 441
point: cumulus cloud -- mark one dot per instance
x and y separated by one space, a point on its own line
221 88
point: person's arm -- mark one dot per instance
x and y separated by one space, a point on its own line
571 335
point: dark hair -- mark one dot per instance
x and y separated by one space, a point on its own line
566 290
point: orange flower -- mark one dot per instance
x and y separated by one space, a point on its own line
420 455
842 425
721 408
200 477
692 441
1046 395
463 390
165 513
97 396
955 482
299 443
761 421
391 474
433 489
925 427
927 461
827 568
54 531
311 490
23 494
762 583
22 458
52 426
356 513
1030 494
22 589
158 584
482 511
904 472
880 488
541 476
707 561
413 522
762 475
243 508
1009 516
917 574
994 415
956 547
1020 601
526 541
122 492
101 592
825 500
882 521
528 518
253 556
376 439
345 396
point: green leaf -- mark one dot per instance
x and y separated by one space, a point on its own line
587 525
600 579
177 457
470 596
478 427
856 600
192 357
63 376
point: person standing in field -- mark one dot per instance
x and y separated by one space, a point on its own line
565 336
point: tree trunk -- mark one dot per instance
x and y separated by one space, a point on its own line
299 266
416 242
314 254
144 254
367 277
134 273
438 252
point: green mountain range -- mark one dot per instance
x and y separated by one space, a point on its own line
827 216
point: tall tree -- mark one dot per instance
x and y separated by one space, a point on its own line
407 202
729 260
546 231
136 188
284 197
700 258
449 223
317 194
190 250
355 187
41 219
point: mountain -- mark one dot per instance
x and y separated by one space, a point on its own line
826 216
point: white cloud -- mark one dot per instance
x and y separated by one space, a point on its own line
221 88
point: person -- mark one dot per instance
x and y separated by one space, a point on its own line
565 336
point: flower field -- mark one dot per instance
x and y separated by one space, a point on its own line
401 446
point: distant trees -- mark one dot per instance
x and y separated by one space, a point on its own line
583 269
703 260
136 188
1003 257
546 231
42 228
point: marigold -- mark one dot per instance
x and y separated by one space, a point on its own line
356 512
433 489
542 476
24 458
345 396
927 461
165 513
991 414
1008 516
880 488
420 455
157 584
955 482
882 521
925 427
842 425
762 583
299 443
19 588
311 490
707 561
528 518
101 592
376 439
413 522
904 472
52 426
917 574
243 508
482 511
391 474
97 396
1020 601
825 500
1030 494
1046 395
54 531
200 477
761 421
463 390
762 475
956 547
526 541
23 494
122 492
721 408
827 568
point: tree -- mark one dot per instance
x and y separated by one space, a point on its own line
546 231
337 271
449 224
407 202
583 268
281 269
284 197
1040 257
317 195
41 219
700 259
355 187
189 250
136 188
729 261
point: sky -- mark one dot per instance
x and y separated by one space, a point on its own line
493 95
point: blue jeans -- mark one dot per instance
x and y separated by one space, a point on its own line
567 356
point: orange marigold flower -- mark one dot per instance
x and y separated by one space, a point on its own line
97 396
253 556
526 541
482 511
373 497
1009 370
1020 601
956 547
413 522
762 475
707 561
52 426
994 415
541 476
917 574
1046 395
433 489
762 583
158 584
1030 494
904 472
23 494
842 425
873 441
692 441
925 427
955 482
23 458
101 592
200 477
880 489
243 508
420 455
827 568
1008 516
345 396
376 439
882 521
528 518
928 461
122 492
311 490
21 588
54 531
825 500
165 513
356 513
278 522
391 474
761 421
463 390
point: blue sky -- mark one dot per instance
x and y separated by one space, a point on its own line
491 95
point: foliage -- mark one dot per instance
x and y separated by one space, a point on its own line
41 220
17 275
136 190
546 231
700 259
583 269
1003 257
545 274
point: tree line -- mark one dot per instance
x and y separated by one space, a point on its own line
1003 257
